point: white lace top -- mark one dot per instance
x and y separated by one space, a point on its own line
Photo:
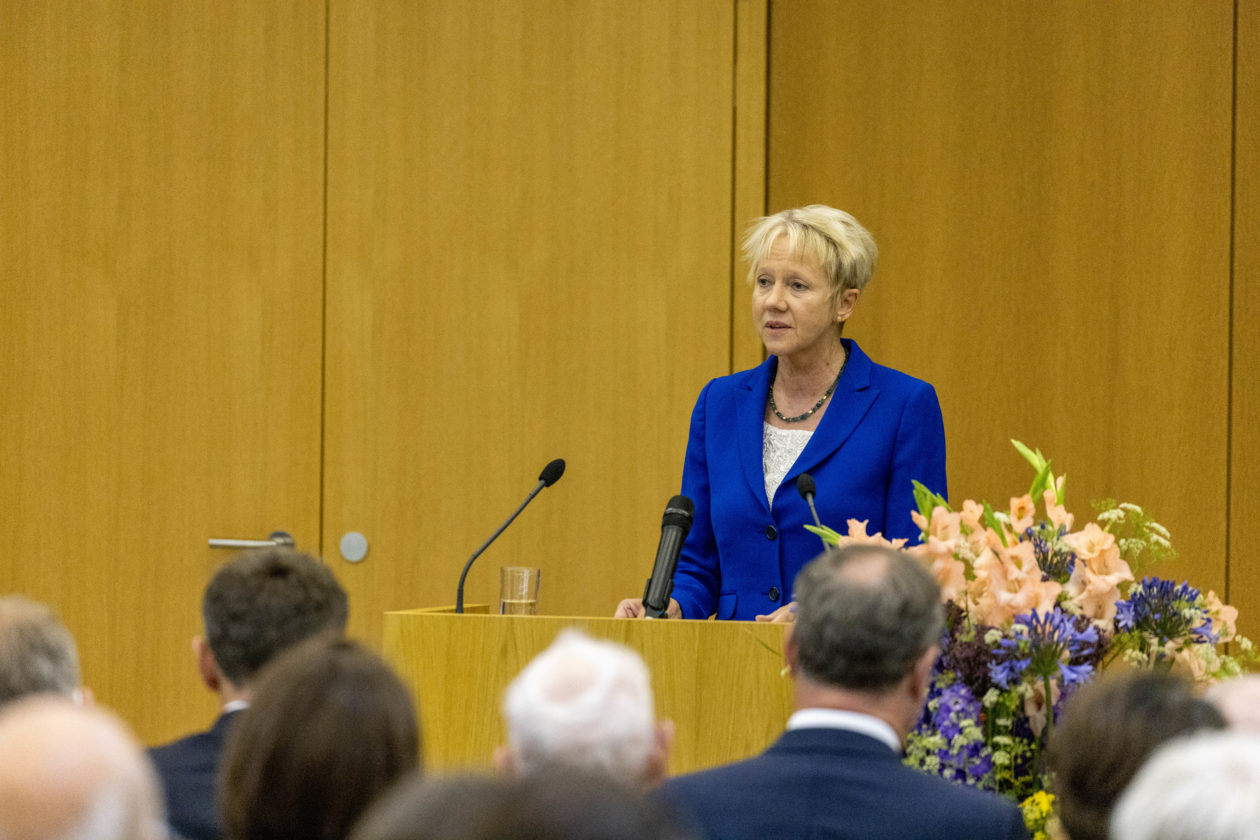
779 451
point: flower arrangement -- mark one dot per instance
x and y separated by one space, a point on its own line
1035 607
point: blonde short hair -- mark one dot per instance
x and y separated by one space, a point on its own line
818 234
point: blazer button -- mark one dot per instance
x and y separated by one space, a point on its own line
774 594
771 532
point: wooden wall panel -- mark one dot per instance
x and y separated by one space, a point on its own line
161 167
1049 184
1244 531
752 20
529 238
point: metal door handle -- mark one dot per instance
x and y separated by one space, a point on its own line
281 539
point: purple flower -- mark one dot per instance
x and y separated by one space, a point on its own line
954 713
1045 645
1166 611
1055 558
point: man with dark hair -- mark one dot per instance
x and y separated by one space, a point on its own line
37 652
868 621
255 607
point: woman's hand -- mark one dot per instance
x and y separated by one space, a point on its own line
633 608
785 614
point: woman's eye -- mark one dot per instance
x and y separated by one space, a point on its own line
799 286
763 281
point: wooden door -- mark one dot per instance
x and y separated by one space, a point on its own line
160 317
529 257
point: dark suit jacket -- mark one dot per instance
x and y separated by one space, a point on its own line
831 784
882 430
189 770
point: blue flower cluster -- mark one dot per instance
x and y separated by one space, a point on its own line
1167 611
955 714
1045 644
1056 560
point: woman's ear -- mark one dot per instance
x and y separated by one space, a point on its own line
846 303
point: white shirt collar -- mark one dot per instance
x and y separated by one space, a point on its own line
868 725
235 706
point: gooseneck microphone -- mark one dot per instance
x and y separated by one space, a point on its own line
805 486
550 475
674 527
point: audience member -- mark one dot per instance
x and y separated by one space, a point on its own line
329 728
70 773
258 605
868 621
1108 729
547 805
37 652
1238 700
585 705
1202 787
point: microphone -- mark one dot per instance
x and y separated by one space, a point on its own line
805 486
550 475
674 527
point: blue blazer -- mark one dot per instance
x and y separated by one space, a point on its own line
881 430
832 784
189 771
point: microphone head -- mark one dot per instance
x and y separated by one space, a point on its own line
551 473
805 486
679 512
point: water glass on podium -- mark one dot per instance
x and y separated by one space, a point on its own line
518 590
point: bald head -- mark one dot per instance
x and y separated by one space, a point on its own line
73 774
1239 701
37 652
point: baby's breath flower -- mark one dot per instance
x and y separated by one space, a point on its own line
1109 516
1131 545
1001 758
993 637
1129 507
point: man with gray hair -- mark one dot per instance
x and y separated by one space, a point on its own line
37 652
1202 787
868 623
71 773
586 705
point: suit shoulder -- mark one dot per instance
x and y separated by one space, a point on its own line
896 381
968 803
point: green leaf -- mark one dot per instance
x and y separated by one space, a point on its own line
1035 458
829 536
927 501
991 520
1040 482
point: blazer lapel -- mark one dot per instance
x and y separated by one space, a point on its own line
853 398
750 414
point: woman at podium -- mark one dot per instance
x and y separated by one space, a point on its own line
819 405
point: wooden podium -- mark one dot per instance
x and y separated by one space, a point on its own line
721 683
